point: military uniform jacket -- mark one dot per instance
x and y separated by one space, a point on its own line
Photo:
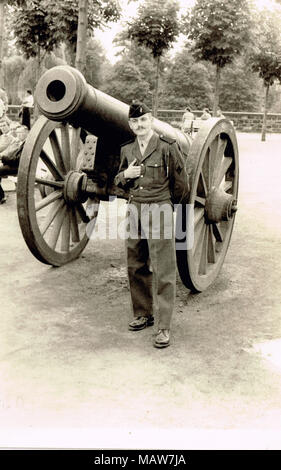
163 176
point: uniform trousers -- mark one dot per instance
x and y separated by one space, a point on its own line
151 260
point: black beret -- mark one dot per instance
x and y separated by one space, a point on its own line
138 109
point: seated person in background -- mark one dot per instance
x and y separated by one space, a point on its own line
13 127
21 133
206 114
187 119
11 154
219 113
3 116
6 139
4 98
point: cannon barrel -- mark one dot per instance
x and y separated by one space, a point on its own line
62 94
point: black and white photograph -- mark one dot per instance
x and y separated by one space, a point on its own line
140 227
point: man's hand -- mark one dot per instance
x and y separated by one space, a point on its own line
132 171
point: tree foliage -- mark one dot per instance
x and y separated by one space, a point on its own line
35 29
219 29
186 83
266 55
49 22
100 12
155 27
132 75
96 63
240 89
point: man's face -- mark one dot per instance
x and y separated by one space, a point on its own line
4 128
142 125
21 133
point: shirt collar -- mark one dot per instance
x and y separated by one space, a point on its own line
147 139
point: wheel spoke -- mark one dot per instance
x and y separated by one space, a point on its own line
218 156
57 205
204 253
75 146
57 151
51 166
225 164
211 246
54 235
65 232
82 213
48 200
52 183
217 233
199 236
202 188
74 226
65 143
227 185
206 171
200 200
198 215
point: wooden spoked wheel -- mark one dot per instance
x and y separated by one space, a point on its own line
52 208
209 218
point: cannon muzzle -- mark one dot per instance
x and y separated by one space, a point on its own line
62 94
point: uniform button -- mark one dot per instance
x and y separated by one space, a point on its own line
141 176
141 187
141 164
155 164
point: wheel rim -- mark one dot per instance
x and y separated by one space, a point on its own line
214 190
53 215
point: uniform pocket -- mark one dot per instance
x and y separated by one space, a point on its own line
156 171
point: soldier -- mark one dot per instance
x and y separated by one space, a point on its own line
152 171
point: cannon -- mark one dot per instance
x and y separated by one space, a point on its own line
70 159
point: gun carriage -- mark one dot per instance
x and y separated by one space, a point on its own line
71 156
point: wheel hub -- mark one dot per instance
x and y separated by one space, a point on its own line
75 186
219 205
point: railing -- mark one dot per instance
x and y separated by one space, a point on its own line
243 121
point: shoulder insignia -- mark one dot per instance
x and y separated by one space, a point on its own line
167 139
128 142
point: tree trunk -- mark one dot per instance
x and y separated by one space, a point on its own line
2 26
156 91
263 132
38 74
217 89
80 62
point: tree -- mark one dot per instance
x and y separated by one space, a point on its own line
220 30
96 63
266 57
36 31
2 19
240 88
156 27
80 61
13 67
3 4
186 83
125 82
66 12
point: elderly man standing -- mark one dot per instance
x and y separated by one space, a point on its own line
152 170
